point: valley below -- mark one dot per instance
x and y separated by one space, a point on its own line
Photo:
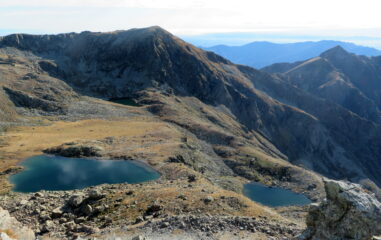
180 193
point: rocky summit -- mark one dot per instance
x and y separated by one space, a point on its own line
207 125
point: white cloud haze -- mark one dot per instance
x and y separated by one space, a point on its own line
310 17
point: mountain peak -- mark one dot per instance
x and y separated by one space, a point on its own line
152 30
156 28
337 51
62 41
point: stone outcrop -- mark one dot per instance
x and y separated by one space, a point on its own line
10 228
75 150
23 99
349 212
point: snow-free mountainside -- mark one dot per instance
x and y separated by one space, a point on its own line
206 124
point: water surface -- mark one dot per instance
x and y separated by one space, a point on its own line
274 196
126 101
47 172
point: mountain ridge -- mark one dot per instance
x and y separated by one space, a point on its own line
347 79
152 64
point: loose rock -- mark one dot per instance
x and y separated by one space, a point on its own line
76 200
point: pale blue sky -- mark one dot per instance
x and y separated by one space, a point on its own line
273 20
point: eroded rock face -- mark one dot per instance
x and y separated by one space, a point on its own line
9 225
350 212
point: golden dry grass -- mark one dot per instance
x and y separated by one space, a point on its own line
23 142
144 138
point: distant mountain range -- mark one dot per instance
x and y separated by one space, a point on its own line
261 54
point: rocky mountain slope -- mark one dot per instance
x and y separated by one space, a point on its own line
262 54
154 66
339 77
336 75
197 114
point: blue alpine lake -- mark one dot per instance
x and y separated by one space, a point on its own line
55 173
274 196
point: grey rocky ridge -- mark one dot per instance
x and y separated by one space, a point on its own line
206 124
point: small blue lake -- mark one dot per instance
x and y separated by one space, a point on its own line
274 196
47 172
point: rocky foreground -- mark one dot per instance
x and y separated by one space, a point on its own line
11 228
107 211
349 212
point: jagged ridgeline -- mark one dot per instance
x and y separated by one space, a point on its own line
188 86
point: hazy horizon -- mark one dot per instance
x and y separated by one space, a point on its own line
239 38
200 20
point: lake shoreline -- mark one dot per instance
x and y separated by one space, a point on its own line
56 173
274 196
